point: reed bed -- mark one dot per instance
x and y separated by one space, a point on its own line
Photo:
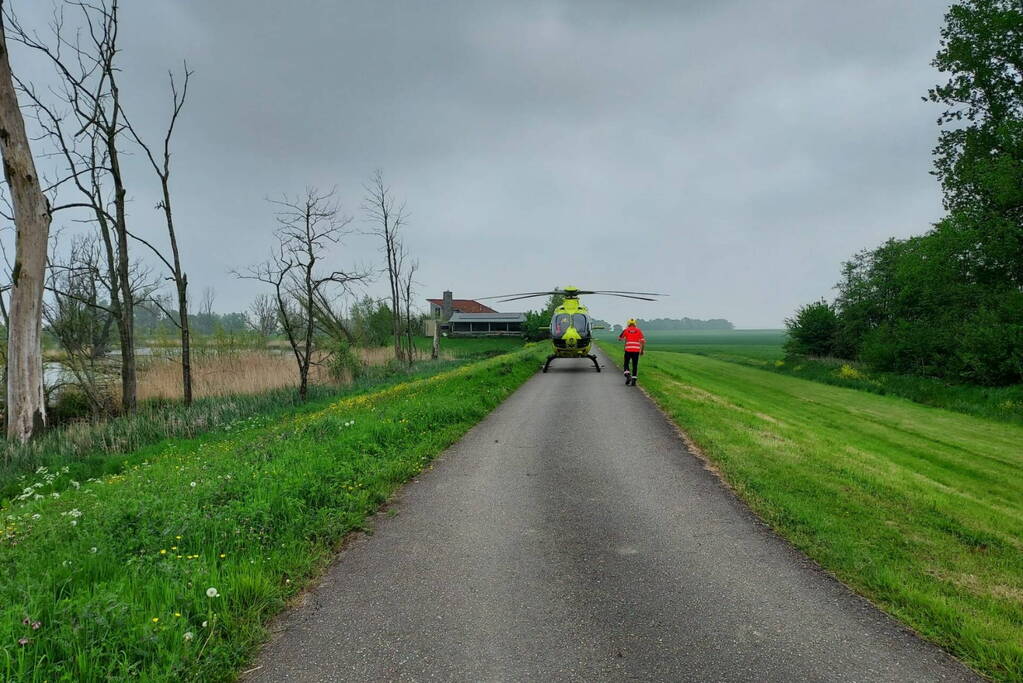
244 372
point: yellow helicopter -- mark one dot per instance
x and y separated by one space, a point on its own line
571 331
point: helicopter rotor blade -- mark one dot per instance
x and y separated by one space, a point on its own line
625 296
528 296
616 291
522 294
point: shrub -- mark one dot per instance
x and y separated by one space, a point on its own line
344 364
812 330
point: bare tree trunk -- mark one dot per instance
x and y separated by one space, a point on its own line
26 407
379 204
186 340
307 227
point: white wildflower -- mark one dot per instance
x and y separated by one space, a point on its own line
192 484
37 516
211 592
188 635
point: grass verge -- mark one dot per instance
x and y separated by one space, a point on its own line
918 509
97 448
172 568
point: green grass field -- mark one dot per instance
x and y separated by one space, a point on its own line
171 568
919 509
764 349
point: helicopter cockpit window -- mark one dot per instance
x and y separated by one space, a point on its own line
560 324
581 323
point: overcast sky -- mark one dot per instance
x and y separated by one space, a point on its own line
729 153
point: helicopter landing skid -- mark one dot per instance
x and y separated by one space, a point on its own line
551 357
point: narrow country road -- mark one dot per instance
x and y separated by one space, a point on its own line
571 536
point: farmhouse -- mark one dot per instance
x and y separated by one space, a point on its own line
470 318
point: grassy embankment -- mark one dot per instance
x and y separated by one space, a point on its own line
234 387
763 349
917 508
172 568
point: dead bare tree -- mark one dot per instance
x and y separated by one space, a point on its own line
307 227
209 297
388 219
407 292
26 405
262 316
329 319
162 168
79 318
85 62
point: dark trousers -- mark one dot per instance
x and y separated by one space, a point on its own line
634 357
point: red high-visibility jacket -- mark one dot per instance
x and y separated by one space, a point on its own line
633 336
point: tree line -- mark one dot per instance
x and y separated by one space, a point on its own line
92 287
948 303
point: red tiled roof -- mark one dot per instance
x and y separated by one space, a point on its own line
464 306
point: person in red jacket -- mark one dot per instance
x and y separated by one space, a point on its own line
634 344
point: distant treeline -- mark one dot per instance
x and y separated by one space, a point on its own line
684 324
368 322
150 321
948 303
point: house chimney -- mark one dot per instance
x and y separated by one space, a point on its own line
447 308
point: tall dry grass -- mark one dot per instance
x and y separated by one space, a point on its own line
240 372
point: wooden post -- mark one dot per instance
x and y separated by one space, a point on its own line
435 354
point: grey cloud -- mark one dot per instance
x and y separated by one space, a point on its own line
729 153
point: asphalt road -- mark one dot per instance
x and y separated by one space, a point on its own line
571 536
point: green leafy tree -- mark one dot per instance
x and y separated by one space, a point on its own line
979 157
372 322
812 330
949 303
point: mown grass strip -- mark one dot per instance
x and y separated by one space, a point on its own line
919 509
171 569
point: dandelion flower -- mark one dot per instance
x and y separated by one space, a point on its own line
36 516
192 484
93 550
211 592
156 619
177 614
188 635
204 624
162 551
222 555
